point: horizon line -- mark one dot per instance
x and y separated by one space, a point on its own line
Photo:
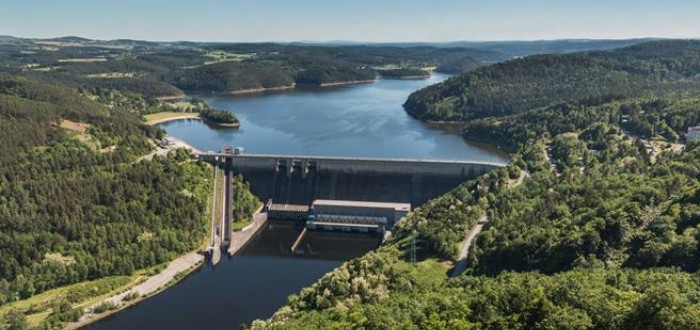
358 41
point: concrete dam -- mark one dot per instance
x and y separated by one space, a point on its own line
289 184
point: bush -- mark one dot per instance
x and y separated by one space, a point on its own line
131 296
105 306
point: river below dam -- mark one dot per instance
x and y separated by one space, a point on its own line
364 120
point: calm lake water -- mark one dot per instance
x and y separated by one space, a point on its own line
364 120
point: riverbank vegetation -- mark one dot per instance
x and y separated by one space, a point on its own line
599 235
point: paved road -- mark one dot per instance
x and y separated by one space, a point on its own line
461 265
467 243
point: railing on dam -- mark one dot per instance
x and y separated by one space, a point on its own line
390 165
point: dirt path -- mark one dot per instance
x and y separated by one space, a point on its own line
467 243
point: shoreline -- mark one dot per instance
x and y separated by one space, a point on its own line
177 270
408 77
260 90
342 83
293 86
171 97
222 125
191 115
184 115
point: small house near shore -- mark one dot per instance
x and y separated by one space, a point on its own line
693 134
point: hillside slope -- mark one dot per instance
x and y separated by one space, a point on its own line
652 68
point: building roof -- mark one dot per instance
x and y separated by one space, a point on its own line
396 206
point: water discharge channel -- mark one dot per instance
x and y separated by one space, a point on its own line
355 121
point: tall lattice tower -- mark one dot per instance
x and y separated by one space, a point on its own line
413 247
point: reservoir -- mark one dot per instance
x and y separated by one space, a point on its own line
364 120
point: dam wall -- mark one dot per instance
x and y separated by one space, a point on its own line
299 180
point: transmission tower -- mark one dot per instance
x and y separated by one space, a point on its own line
413 247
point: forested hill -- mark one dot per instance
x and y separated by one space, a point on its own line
652 68
272 72
606 238
156 69
76 205
595 223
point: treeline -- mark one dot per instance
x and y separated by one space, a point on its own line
653 68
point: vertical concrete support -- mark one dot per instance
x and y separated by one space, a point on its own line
334 184
228 169
416 186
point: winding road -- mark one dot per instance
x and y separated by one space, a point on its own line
466 244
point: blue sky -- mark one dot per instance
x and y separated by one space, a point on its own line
361 20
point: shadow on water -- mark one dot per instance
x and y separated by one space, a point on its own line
251 285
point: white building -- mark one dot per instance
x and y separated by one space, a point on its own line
168 141
693 134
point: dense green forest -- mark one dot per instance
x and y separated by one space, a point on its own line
608 240
75 202
599 235
648 69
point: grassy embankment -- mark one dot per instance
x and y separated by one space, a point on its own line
83 294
